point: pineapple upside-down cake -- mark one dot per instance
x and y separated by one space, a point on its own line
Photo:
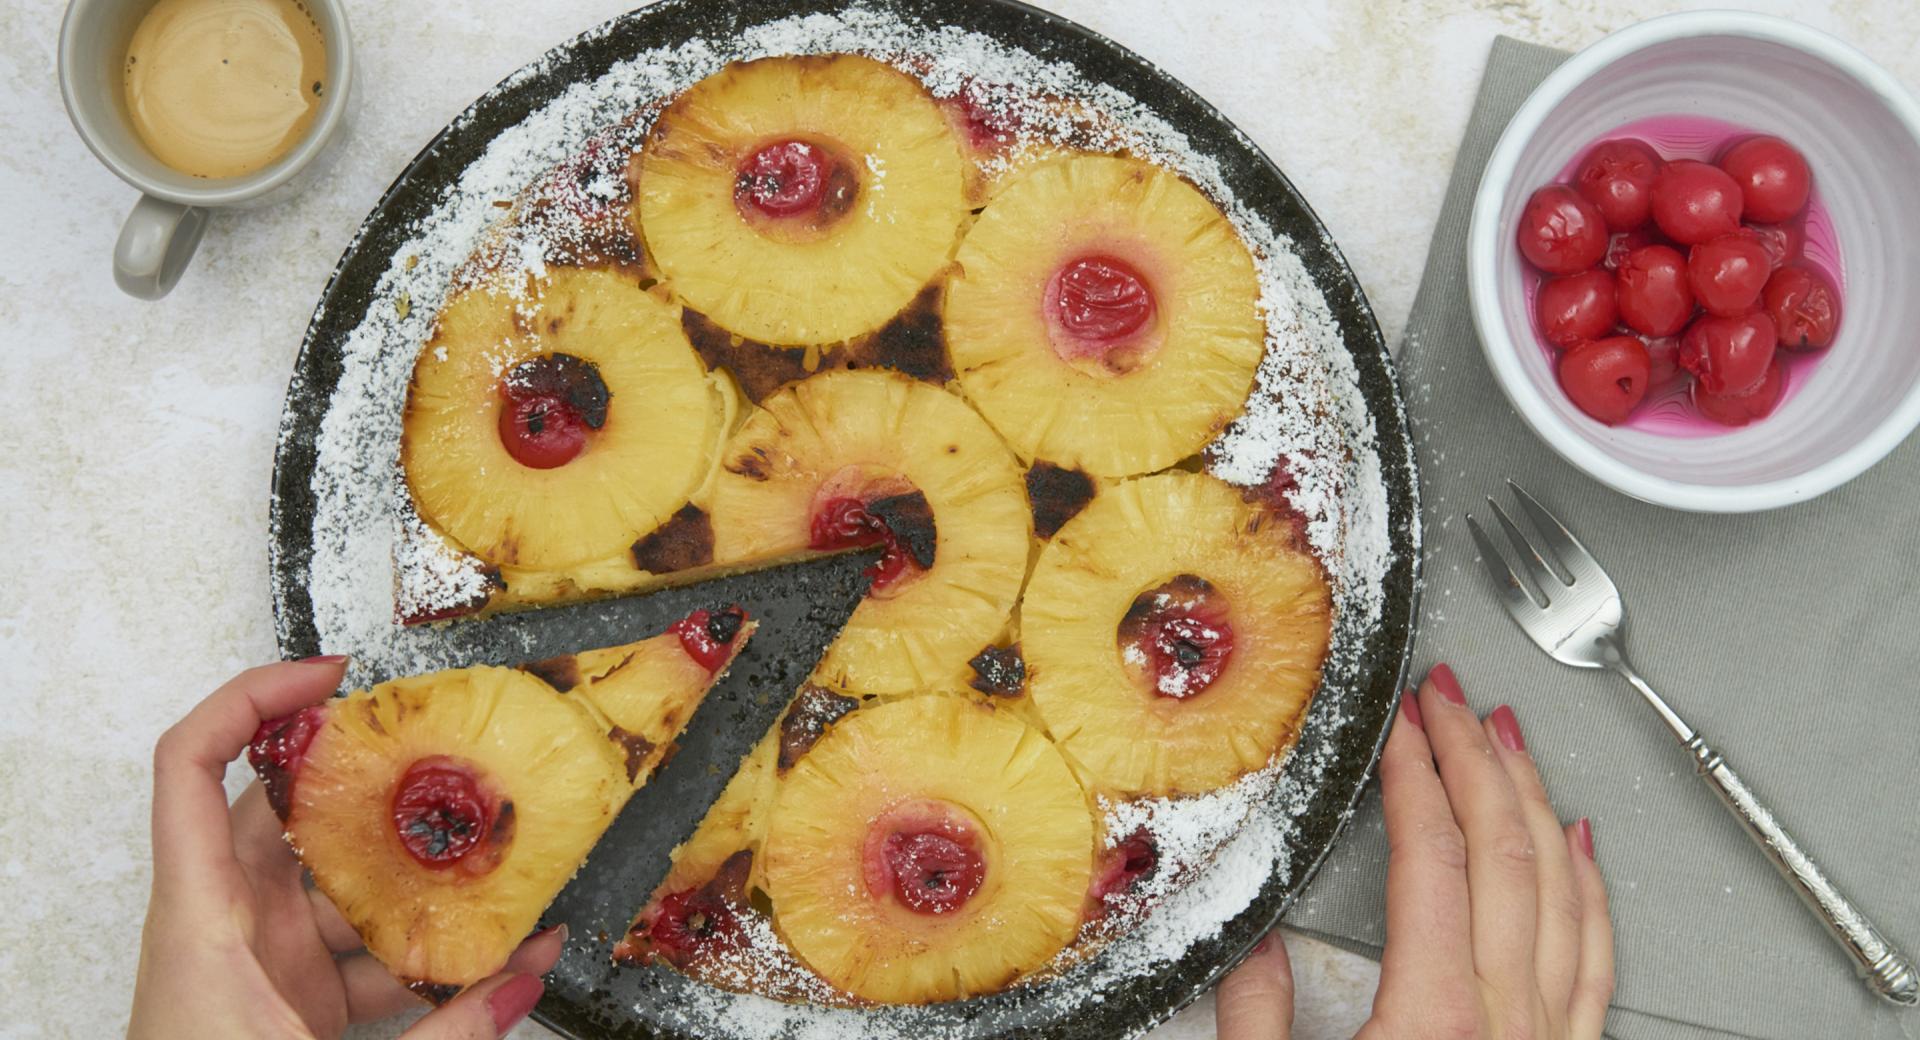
840 312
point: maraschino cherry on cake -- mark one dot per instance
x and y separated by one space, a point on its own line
442 813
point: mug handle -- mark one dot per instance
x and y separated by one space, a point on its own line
155 244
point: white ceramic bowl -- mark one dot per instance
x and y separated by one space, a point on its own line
1860 129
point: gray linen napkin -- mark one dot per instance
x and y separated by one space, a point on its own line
1787 638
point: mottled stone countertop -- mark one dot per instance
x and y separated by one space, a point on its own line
138 437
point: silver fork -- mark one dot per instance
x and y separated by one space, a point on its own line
1579 619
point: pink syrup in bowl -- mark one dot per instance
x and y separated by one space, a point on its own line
1668 409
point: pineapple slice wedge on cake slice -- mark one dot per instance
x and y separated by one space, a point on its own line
801 200
442 813
929 848
694 921
1104 316
1174 633
550 428
642 694
863 458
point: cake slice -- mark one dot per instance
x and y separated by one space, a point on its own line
442 813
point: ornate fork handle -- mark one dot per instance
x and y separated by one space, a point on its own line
1887 971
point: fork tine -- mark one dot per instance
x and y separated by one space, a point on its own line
1518 602
1544 577
1560 541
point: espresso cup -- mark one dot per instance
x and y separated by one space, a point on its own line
165 226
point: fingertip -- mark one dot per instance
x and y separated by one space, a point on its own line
488 1008
513 1000
1410 708
1442 679
1504 727
1255 1001
540 952
283 687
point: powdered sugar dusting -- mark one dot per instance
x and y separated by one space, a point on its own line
1306 413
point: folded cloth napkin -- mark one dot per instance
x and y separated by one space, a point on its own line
1791 639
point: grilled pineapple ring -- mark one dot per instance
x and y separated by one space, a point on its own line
1035 834
893 236
1133 538
921 633
1196 354
654 449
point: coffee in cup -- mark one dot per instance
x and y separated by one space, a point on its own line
221 88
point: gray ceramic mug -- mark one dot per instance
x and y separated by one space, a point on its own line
166 224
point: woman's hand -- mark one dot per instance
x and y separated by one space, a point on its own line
1496 915
235 943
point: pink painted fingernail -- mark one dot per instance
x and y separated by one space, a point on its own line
1583 830
1410 707
1507 728
1449 687
1261 946
513 1001
324 659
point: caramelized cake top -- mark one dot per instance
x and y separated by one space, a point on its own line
544 195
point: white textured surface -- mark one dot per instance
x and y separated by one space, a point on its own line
138 438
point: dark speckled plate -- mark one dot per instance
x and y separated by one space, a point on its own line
586 996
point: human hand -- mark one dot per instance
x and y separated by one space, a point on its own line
1496 915
235 944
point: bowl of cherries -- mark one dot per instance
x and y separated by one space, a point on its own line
1691 262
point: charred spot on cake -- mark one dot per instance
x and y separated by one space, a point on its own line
730 881
999 671
617 248
435 993
635 747
752 465
561 673
625 660
370 715
806 721
759 368
503 825
914 343
910 519
1056 494
565 377
838 196
684 541
724 624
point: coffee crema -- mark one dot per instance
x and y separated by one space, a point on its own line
221 88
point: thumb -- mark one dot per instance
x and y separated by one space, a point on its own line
481 1012
1255 1002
